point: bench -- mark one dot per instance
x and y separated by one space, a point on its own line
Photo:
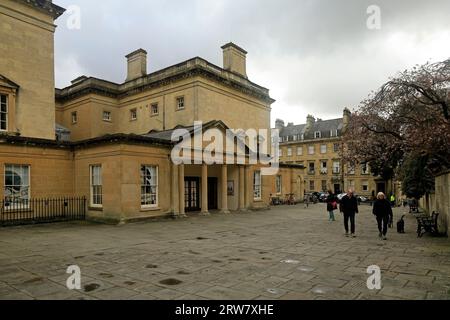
426 224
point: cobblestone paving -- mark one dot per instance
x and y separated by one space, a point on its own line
285 253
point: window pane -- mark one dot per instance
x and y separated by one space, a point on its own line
16 185
96 185
149 185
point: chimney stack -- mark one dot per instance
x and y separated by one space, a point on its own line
310 120
235 59
137 64
279 124
346 120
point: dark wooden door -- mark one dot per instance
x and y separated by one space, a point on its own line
381 187
192 194
337 188
213 194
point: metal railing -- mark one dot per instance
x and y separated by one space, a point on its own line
45 210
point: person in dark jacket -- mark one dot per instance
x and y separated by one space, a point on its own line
331 205
383 211
349 207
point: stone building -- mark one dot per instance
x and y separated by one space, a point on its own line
112 142
316 146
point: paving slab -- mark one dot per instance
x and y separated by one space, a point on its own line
288 252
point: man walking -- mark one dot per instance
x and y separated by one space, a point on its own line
349 207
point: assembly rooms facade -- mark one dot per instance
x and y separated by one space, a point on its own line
112 142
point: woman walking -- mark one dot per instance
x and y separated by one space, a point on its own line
331 205
383 211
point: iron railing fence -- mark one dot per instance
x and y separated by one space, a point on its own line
44 210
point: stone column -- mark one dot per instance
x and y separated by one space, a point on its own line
205 210
224 208
181 190
175 191
249 188
242 188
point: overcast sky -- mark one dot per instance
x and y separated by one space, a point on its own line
315 56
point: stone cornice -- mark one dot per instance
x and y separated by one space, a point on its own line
45 6
164 77
108 139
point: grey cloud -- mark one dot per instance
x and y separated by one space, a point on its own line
316 56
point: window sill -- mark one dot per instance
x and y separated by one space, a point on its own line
95 208
144 209
104 120
154 115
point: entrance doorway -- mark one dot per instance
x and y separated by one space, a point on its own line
192 194
381 187
213 193
337 189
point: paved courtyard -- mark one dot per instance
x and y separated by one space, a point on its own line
285 253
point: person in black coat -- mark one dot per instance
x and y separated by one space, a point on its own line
349 207
383 211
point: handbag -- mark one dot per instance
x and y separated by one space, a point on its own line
334 205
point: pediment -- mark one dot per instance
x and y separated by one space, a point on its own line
5 82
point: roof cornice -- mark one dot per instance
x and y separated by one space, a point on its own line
45 6
69 145
190 68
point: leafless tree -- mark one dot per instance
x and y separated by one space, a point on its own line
408 117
